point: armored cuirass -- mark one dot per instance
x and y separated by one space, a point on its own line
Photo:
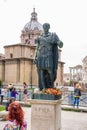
45 47
45 53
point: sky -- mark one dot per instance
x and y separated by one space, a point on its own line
67 18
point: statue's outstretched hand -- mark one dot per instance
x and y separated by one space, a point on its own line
60 44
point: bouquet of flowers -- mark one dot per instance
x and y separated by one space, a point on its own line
48 94
54 91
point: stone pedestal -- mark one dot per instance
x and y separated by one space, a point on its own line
45 114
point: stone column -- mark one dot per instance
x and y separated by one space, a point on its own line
45 114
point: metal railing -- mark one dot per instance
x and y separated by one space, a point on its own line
67 96
19 96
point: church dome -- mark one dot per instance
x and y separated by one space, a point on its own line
33 24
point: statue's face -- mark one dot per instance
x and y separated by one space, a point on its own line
46 28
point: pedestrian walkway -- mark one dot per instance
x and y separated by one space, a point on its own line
69 120
73 120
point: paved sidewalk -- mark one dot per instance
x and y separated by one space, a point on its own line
69 120
73 120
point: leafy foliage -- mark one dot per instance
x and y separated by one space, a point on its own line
2 108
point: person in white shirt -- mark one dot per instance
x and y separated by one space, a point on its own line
2 95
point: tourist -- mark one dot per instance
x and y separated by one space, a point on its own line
77 94
25 91
9 90
2 95
15 118
14 93
9 101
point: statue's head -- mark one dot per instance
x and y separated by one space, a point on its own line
46 26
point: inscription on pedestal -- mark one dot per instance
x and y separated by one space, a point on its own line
41 109
42 115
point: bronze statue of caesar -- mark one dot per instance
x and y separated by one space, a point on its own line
46 57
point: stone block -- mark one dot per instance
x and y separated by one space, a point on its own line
45 114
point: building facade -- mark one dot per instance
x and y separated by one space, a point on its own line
84 72
16 65
77 73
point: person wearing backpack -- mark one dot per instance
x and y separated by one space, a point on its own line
77 94
2 95
25 92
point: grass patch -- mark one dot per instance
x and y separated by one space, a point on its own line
71 109
2 108
27 105
31 89
77 110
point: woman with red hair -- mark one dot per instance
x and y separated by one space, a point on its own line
15 118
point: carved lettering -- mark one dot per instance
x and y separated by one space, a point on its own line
42 110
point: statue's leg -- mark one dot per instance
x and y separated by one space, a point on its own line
47 79
41 79
51 81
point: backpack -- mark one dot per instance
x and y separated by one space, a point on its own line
79 93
